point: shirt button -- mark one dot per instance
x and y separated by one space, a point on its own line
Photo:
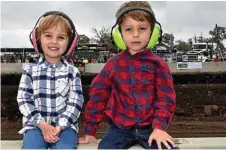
140 120
131 57
52 92
132 72
134 88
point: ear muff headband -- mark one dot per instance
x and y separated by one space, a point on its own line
73 42
135 8
156 30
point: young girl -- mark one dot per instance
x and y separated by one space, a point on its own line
50 94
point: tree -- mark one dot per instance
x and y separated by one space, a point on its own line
83 39
103 36
218 35
181 45
168 39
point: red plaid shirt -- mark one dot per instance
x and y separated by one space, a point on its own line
132 90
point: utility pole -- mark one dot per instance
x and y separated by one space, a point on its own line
190 44
218 41
171 42
211 48
201 38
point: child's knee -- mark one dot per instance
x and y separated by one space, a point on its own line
33 139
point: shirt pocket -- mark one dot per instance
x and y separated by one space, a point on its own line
147 74
62 87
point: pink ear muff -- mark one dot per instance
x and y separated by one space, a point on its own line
73 45
34 40
71 49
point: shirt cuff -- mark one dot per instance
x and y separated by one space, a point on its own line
159 125
39 121
63 122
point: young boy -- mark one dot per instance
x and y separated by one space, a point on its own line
134 90
50 94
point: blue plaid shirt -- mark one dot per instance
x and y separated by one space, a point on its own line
51 93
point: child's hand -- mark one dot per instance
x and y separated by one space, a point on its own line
48 132
58 129
161 137
88 139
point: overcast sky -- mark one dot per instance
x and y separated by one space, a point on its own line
183 19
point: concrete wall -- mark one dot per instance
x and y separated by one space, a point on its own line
11 68
95 68
206 67
17 68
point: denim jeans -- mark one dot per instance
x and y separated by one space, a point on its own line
33 139
117 138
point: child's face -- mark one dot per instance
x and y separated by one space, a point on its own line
54 42
136 34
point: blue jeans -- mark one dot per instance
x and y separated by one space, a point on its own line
33 139
117 138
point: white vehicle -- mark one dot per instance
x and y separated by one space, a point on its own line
198 50
202 47
197 56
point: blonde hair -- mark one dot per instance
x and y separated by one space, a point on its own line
52 21
138 15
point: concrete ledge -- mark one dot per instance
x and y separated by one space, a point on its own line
95 68
182 143
206 67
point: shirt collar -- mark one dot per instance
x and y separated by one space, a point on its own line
45 64
141 53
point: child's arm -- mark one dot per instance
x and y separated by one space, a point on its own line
165 102
74 103
25 99
100 90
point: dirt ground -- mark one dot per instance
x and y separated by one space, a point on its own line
180 127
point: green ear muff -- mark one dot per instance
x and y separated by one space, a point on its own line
155 35
117 37
118 40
